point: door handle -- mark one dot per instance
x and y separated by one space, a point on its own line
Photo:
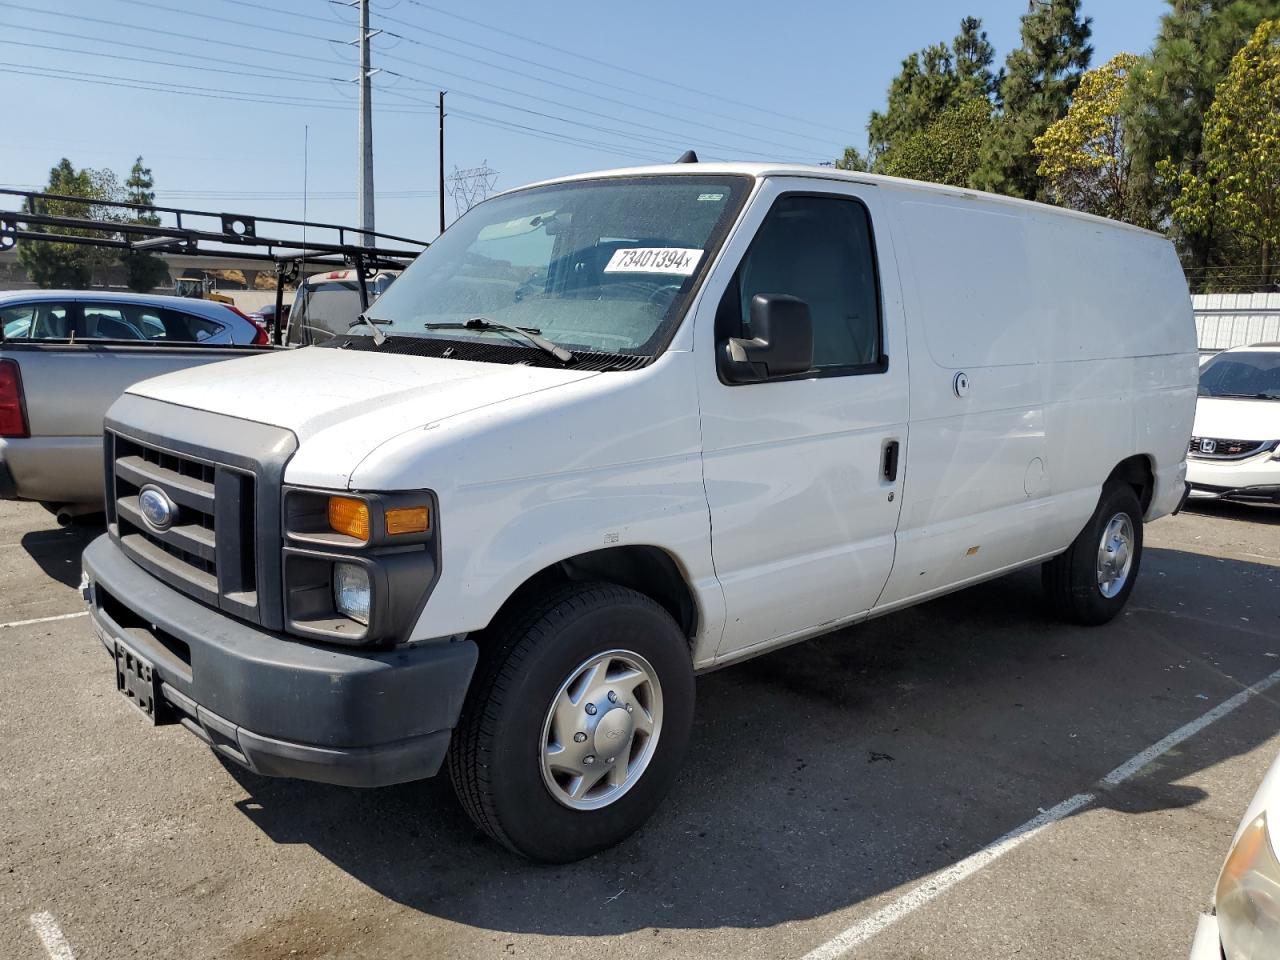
889 466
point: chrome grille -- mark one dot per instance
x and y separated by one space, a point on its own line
208 551
1217 448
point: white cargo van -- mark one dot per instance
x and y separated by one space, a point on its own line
613 430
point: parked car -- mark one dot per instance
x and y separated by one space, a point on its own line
326 304
265 316
1245 921
65 355
610 431
1235 445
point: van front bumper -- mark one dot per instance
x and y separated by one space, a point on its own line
271 703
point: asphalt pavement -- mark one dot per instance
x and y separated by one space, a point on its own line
893 790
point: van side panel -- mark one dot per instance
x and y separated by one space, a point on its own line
966 508
1076 341
1124 369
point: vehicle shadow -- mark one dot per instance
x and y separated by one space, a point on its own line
56 551
833 771
1232 510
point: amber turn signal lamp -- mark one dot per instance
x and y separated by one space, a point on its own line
349 516
404 520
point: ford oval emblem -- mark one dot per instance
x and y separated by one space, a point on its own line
156 508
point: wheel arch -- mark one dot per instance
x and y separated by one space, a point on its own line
649 570
1137 471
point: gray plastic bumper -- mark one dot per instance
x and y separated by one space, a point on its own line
272 703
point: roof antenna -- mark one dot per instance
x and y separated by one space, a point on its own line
688 157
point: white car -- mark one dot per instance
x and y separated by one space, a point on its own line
1245 922
1235 445
610 431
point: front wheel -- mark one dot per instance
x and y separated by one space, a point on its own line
576 724
1091 582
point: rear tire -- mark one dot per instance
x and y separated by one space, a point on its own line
551 757
1091 582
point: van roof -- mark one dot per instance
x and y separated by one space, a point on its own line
763 170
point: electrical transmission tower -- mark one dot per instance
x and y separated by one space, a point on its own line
468 187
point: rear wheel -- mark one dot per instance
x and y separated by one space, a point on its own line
1091 582
576 724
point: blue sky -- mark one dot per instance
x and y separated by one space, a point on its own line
639 81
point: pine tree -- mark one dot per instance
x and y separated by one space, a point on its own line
974 56
932 81
1035 91
146 271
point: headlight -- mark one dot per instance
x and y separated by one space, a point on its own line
1248 896
351 591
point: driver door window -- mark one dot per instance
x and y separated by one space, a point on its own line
817 248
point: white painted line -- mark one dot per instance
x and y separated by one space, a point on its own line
1127 769
50 934
27 623
940 883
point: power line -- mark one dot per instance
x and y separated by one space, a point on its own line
596 96
677 141
613 66
827 144
296 76
681 139
208 93
773 128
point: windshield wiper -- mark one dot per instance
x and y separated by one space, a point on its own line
371 322
529 333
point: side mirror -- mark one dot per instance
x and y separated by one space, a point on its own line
782 346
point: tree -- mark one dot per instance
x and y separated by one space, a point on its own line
920 91
1169 98
62 264
949 150
931 81
974 57
852 160
1085 159
1239 186
145 271
1039 80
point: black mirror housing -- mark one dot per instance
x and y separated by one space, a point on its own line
782 344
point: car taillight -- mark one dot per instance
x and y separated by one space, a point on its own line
260 339
237 311
13 413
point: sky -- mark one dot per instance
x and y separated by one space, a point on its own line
228 100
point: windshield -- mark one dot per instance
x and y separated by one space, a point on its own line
601 266
1252 374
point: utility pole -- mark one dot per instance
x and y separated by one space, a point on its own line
440 185
365 189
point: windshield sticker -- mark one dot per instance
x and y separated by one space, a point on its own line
704 197
673 260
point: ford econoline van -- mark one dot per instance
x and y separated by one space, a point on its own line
614 430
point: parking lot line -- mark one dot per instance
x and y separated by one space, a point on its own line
28 623
50 934
862 931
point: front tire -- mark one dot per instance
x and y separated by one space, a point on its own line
1091 582
576 724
